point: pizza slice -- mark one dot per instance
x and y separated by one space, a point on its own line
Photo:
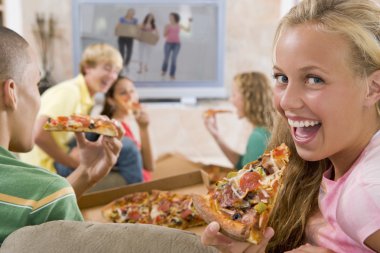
242 202
213 112
81 123
134 107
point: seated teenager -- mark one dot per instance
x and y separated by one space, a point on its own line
121 104
252 97
135 162
30 195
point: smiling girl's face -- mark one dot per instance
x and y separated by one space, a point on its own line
319 94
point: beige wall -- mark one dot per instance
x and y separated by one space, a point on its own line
62 51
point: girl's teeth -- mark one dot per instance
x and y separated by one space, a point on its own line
305 123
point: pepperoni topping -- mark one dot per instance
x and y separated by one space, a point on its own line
62 119
250 181
186 213
85 121
133 215
164 206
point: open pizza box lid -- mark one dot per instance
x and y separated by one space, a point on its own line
188 183
171 164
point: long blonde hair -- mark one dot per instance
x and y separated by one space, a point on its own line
257 93
358 21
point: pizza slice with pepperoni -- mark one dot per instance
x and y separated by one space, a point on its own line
242 201
82 123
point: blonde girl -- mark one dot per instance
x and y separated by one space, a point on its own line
327 72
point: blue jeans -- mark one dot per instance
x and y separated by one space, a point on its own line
172 48
128 164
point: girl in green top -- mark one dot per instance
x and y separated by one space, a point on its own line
252 97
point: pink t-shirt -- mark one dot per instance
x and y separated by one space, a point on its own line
173 34
350 206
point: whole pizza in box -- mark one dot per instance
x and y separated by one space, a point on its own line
163 208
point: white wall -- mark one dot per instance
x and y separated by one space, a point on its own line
13 18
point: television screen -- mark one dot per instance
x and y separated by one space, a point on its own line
170 49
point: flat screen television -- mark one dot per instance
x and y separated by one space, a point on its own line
200 59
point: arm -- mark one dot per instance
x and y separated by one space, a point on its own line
45 141
146 150
308 248
96 161
373 241
212 127
166 30
186 28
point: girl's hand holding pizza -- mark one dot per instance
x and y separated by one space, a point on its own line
212 237
142 118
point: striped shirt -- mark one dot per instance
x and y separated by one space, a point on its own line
31 196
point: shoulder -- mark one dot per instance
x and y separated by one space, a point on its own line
361 195
30 182
259 133
67 93
367 167
63 89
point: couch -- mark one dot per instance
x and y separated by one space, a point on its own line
88 237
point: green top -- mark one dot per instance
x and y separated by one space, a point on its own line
31 196
257 144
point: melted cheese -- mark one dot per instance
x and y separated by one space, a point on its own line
154 213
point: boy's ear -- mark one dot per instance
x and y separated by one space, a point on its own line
373 94
9 94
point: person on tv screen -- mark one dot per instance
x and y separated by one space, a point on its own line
126 42
145 49
172 44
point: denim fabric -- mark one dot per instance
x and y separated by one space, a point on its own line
129 162
172 48
125 48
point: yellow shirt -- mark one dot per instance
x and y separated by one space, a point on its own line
64 99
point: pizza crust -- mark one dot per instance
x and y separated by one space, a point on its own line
233 229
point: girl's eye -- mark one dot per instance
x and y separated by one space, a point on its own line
314 80
282 79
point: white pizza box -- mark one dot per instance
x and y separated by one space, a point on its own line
193 182
148 37
127 30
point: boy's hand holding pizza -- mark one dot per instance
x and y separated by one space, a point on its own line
96 158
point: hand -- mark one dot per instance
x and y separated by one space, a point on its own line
97 158
308 248
212 126
74 153
142 118
212 237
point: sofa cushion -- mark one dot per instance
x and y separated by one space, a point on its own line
88 237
